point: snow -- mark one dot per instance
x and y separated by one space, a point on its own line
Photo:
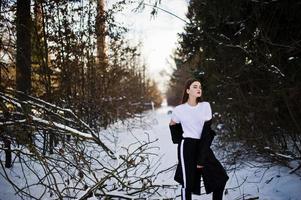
262 182
63 127
12 122
11 99
276 70
284 156
248 179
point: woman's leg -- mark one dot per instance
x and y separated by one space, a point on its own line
185 194
218 193
188 164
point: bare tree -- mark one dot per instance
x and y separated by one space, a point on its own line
79 167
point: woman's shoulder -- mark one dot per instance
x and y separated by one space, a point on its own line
178 107
204 103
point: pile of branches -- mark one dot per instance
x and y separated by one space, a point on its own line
54 154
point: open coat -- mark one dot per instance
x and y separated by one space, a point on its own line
213 173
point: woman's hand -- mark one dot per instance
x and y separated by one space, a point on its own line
172 122
200 166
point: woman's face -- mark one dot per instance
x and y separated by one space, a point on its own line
195 89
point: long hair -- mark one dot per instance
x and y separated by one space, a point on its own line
187 86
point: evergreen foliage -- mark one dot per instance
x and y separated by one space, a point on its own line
247 54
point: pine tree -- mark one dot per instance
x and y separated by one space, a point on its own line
247 54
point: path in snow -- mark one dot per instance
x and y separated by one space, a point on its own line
274 183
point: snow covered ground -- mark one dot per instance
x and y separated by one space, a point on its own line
251 180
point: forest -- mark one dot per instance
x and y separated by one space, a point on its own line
68 74
247 55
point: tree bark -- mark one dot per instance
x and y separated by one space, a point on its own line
23 59
101 46
8 156
100 33
42 45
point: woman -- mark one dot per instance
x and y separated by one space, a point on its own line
192 119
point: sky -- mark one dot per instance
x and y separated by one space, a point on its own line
158 35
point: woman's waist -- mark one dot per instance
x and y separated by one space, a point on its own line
191 135
190 138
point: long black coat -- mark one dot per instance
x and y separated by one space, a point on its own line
213 173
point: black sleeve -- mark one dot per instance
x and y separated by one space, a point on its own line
176 132
205 142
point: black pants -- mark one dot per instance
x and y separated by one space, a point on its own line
188 159
188 152
218 193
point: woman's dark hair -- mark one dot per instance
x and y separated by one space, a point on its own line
187 86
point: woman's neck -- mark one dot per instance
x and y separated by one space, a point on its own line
192 102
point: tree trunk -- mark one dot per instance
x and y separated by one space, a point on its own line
23 60
100 34
8 156
101 47
42 47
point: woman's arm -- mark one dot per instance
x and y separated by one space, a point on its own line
205 142
176 132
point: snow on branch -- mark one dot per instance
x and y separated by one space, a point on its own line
52 149
20 108
62 127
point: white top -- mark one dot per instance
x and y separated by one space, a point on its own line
192 118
